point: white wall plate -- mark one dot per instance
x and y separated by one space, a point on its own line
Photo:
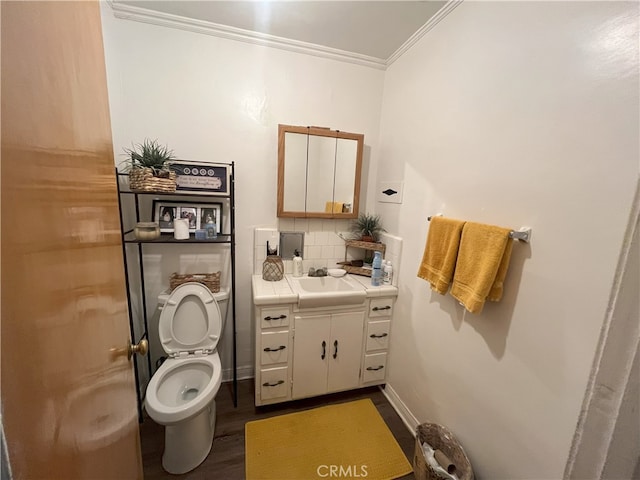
389 192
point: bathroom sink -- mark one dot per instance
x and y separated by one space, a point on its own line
327 291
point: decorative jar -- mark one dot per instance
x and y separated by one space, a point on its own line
146 230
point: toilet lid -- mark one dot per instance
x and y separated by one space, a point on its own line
190 320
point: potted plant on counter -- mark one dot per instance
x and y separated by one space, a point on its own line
367 228
149 167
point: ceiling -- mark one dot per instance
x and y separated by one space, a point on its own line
375 29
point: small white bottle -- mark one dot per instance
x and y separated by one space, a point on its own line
297 264
387 273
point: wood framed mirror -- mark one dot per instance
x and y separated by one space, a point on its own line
318 172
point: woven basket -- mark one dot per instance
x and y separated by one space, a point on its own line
143 180
210 280
272 268
440 439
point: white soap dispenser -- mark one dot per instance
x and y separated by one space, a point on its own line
387 273
297 264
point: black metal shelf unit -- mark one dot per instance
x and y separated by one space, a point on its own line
129 238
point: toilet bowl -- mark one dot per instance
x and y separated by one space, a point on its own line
181 394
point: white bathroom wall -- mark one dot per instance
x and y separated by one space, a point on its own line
212 99
515 114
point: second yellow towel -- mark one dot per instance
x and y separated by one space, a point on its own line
483 260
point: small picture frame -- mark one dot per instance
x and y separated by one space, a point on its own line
206 216
201 178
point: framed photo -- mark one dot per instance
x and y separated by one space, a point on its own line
206 216
201 178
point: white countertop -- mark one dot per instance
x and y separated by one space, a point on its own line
381 291
273 293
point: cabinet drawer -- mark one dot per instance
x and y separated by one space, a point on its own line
375 366
381 307
378 335
274 317
273 383
274 347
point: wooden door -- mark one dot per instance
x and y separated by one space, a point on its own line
346 351
310 355
68 397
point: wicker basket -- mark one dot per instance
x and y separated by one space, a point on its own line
143 180
440 439
272 268
210 280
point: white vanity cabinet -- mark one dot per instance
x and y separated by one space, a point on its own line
304 352
327 353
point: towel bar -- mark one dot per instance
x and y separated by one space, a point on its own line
524 234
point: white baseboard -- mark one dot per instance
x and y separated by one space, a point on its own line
409 420
242 372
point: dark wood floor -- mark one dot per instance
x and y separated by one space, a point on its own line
226 460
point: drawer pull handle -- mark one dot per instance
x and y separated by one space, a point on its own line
382 335
324 350
379 367
268 319
377 309
267 384
269 349
335 352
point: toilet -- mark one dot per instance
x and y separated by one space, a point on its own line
181 393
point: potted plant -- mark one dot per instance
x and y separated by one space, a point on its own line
149 168
367 228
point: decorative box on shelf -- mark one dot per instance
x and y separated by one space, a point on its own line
210 280
360 270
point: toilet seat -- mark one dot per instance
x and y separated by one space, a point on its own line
166 413
190 322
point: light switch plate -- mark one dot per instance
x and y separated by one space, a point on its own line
389 192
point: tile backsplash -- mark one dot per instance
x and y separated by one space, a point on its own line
323 244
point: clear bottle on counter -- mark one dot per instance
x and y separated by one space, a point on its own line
376 272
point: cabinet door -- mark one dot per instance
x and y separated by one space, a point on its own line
345 351
311 353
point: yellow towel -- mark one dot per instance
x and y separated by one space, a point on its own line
333 207
440 253
483 260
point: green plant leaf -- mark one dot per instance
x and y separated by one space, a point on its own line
150 154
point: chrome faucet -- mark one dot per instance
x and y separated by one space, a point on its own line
319 272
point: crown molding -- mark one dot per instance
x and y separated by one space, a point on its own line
143 15
432 22
152 17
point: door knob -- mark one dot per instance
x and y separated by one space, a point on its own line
141 348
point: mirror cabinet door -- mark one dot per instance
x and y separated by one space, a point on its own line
318 172
345 175
295 173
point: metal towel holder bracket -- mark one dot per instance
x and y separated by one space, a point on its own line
523 235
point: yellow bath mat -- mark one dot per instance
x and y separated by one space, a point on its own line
348 440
